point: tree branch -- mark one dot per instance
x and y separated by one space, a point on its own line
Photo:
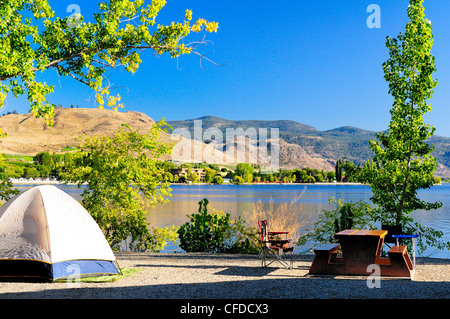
97 50
78 79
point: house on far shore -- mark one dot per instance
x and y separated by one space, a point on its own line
184 171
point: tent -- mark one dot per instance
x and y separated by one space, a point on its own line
45 233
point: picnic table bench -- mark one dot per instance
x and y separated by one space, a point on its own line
326 257
361 248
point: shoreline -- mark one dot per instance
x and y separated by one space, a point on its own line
55 182
40 182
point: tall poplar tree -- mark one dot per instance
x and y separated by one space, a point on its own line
403 163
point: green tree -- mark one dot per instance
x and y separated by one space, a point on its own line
31 172
331 176
44 159
319 177
238 180
351 171
192 176
300 175
338 170
123 178
14 171
33 40
245 171
403 163
6 187
209 175
309 179
218 179
182 179
44 171
68 159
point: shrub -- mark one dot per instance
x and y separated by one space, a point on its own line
161 236
238 180
216 232
218 179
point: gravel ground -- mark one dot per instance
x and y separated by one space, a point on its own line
203 276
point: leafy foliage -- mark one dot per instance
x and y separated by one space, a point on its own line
6 187
123 178
161 236
349 215
245 172
216 232
83 50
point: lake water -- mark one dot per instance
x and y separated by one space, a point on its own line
310 201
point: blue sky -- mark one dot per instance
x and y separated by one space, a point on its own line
315 62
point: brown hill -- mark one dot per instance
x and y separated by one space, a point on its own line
28 135
294 156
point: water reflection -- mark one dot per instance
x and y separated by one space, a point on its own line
239 200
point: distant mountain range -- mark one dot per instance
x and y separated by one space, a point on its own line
303 145
300 145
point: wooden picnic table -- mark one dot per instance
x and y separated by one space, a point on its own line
361 248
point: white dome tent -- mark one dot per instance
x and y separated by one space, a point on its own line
45 233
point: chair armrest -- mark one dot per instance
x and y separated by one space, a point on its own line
405 236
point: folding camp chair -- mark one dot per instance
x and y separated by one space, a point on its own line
272 246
